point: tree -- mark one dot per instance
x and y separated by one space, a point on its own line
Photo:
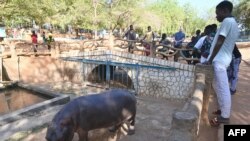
242 12
164 15
174 16
118 13
20 11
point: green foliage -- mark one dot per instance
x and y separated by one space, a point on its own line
174 17
242 12
164 15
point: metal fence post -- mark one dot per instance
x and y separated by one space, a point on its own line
1 67
18 63
108 71
137 78
152 49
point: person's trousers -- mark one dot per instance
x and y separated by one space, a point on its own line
176 56
147 46
233 71
221 87
34 46
131 47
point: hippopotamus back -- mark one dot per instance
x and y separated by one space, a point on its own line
110 108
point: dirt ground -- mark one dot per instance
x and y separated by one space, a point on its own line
208 133
240 106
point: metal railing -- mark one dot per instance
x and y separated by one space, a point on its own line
130 45
112 74
153 51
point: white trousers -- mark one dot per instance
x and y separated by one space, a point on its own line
221 87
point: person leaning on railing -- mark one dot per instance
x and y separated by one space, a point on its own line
131 36
204 44
164 42
147 40
179 37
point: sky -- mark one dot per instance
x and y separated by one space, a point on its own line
202 6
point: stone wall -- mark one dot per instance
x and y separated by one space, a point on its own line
165 83
185 123
177 82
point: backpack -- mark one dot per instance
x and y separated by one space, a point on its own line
205 48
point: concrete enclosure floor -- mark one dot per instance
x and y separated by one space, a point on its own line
153 122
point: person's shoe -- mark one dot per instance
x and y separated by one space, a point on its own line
232 92
216 112
215 122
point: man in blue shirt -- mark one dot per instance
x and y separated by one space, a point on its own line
179 37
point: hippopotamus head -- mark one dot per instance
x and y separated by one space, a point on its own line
59 132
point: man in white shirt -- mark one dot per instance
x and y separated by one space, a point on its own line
221 56
200 42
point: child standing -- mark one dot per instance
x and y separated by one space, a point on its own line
149 38
34 40
49 40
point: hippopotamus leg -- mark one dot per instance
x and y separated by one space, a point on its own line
83 135
114 128
131 126
70 137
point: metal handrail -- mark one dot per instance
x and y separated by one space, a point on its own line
129 65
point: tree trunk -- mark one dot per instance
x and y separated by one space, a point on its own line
77 32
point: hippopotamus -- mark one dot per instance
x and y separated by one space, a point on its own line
107 109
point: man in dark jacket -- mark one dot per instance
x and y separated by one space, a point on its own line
131 36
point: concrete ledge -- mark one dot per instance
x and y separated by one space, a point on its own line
185 123
13 131
7 84
57 99
40 90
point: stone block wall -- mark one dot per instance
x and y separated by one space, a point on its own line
167 83
185 123
176 82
